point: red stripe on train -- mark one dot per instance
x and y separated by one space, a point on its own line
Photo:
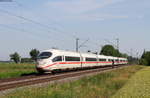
78 63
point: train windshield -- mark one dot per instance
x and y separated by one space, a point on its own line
44 55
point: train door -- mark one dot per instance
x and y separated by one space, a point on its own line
81 60
97 60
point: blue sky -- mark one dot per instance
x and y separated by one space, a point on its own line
96 20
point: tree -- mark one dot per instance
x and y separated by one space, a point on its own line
34 53
15 57
132 60
124 55
109 50
143 62
145 59
143 55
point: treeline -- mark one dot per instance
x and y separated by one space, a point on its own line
18 59
145 58
109 50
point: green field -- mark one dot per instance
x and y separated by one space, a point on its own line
8 70
137 87
103 85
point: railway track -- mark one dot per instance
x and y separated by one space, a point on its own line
6 84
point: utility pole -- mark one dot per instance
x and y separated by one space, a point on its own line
117 43
77 44
131 52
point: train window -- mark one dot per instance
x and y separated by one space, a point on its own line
90 59
102 59
117 60
111 60
58 58
44 55
69 58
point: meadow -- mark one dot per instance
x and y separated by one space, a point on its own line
8 70
137 87
102 85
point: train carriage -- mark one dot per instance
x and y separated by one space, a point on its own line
89 60
53 59
102 60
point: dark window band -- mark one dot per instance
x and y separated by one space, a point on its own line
69 58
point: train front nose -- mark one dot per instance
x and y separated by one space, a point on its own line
42 65
44 59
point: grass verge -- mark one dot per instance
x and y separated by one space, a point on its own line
8 70
137 87
103 85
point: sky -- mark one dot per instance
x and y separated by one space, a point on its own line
44 24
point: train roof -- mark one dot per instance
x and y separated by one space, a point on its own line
78 53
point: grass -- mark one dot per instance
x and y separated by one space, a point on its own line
137 87
8 70
103 85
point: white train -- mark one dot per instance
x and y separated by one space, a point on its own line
51 60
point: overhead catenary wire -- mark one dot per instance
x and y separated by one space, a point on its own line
41 25
36 22
17 29
83 44
24 18
29 8
49 29
98 46
25 31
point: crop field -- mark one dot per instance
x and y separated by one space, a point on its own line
137 87
103 85
8 70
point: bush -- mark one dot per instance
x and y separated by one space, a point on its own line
145 59
143 62
26 60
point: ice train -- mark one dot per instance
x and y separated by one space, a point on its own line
53 59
